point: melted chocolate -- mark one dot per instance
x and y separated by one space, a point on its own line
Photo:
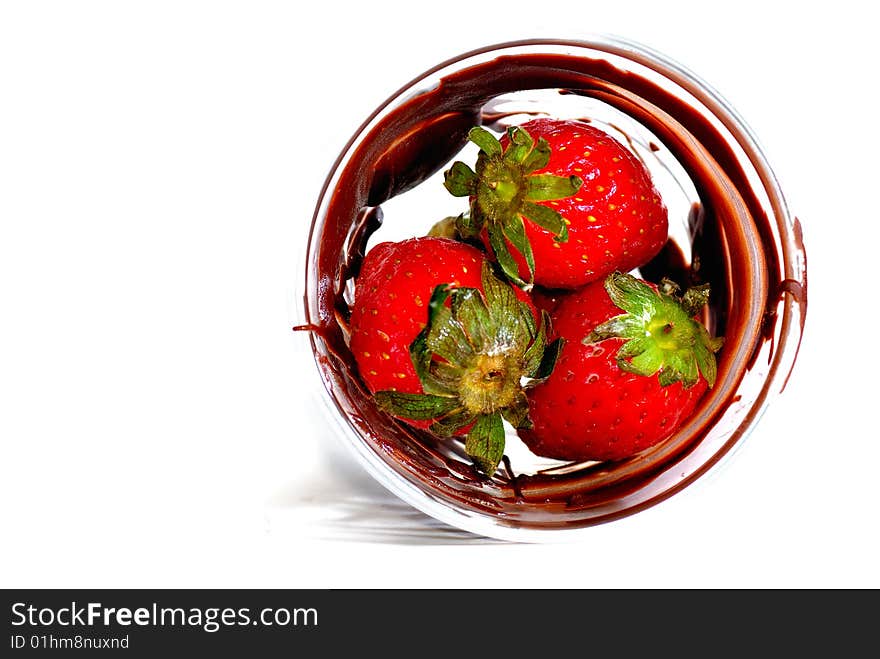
734 249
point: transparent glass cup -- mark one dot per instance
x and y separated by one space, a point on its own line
729 224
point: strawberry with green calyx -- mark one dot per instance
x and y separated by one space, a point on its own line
504 190
589 203
662 335
475 358
634 365
446 345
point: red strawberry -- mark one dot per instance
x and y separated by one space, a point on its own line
623 381
445 345
560 203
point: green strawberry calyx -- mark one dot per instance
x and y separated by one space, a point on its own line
476 356
503 190
662 335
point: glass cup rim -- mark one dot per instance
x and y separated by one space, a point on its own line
628 50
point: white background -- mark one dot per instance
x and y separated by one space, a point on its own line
159 163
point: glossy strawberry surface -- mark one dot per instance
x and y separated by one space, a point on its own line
616 220
392 294
592 409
